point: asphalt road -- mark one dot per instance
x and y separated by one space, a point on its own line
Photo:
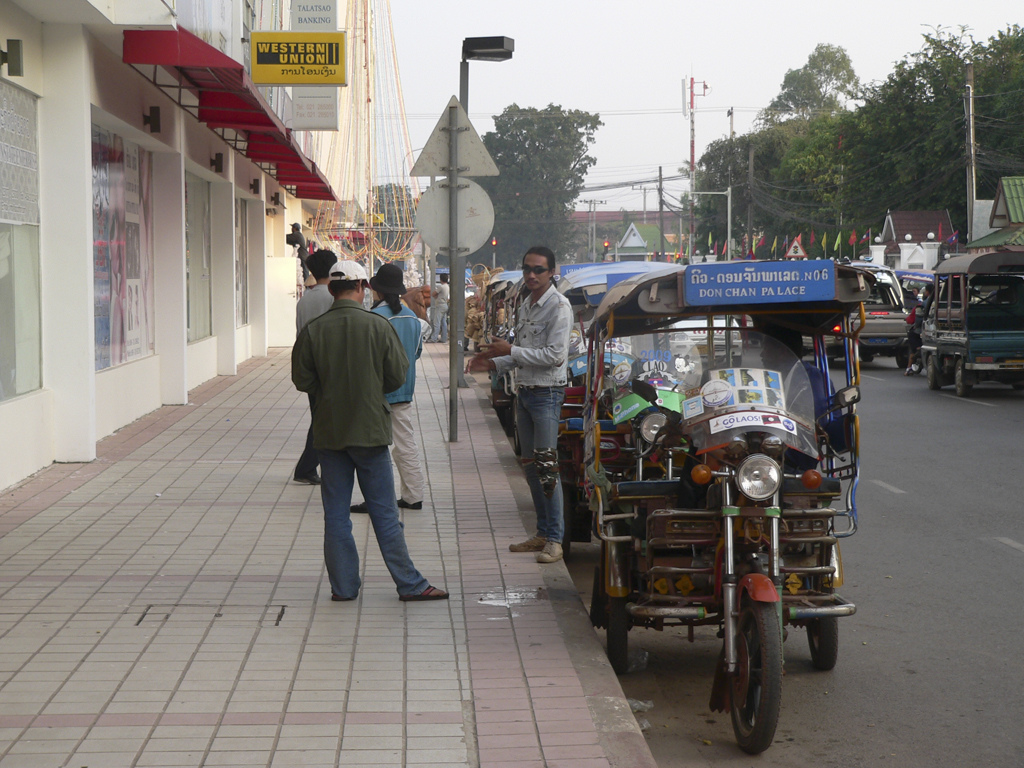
931 667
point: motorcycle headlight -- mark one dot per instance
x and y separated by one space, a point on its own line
758 477
651 425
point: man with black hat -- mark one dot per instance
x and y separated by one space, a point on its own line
388 287
296 238
347 359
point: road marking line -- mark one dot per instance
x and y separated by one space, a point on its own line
887 487
969 400
873 378
1010 543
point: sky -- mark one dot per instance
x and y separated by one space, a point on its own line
628 61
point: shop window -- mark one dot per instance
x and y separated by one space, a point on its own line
20 324
123 303
241 264
197 257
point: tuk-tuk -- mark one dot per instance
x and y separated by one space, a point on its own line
584 285
974 330
742 465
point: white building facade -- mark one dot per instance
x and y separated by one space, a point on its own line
143 214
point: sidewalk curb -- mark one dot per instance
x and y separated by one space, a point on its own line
619 735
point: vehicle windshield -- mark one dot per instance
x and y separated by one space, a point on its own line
740 380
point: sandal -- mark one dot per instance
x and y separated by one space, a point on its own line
430 593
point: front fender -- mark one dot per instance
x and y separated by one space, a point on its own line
759 587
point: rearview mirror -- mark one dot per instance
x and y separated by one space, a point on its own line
645 390
846 397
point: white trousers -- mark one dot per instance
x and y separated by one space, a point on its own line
406 452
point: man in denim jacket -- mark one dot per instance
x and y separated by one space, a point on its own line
539 356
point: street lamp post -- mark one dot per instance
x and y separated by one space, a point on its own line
473 49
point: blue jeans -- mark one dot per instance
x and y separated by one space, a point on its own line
538 411
440 331
372 466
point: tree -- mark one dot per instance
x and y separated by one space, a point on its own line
542 160
821 86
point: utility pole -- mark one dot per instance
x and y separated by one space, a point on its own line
750 197
693 163
592 227
661 210
972 178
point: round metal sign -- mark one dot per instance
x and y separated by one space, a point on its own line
476 216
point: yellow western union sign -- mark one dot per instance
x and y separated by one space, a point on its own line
298 58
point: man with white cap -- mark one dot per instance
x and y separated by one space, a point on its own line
348 359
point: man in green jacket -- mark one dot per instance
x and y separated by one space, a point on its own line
347 359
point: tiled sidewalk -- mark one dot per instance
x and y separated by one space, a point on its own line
166 605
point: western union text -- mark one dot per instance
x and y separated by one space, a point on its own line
277 54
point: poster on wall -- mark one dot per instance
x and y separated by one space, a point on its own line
122 250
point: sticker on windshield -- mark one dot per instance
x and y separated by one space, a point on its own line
622 373
750 396
751 421
692 407
716 393
743 386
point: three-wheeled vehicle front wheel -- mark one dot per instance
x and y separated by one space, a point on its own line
756 694
823 640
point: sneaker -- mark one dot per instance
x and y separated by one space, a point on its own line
410 504
551 553
532 544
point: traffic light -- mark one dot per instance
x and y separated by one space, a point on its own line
606 246
494 242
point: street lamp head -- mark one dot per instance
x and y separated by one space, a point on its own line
488 48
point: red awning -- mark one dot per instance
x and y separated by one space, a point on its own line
228 99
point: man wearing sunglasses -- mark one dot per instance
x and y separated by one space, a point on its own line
539 356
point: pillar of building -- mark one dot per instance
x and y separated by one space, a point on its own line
65 140
171 299
222 272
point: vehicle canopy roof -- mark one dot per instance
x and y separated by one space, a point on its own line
502 281
982 264
915 275
820 292
588 283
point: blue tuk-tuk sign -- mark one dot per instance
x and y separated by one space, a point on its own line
741 282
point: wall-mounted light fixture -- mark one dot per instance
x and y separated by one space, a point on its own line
271 211
13 59
309 222
276 198
152 119
255 186
217 162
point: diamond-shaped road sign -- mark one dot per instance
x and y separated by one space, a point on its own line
474 159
